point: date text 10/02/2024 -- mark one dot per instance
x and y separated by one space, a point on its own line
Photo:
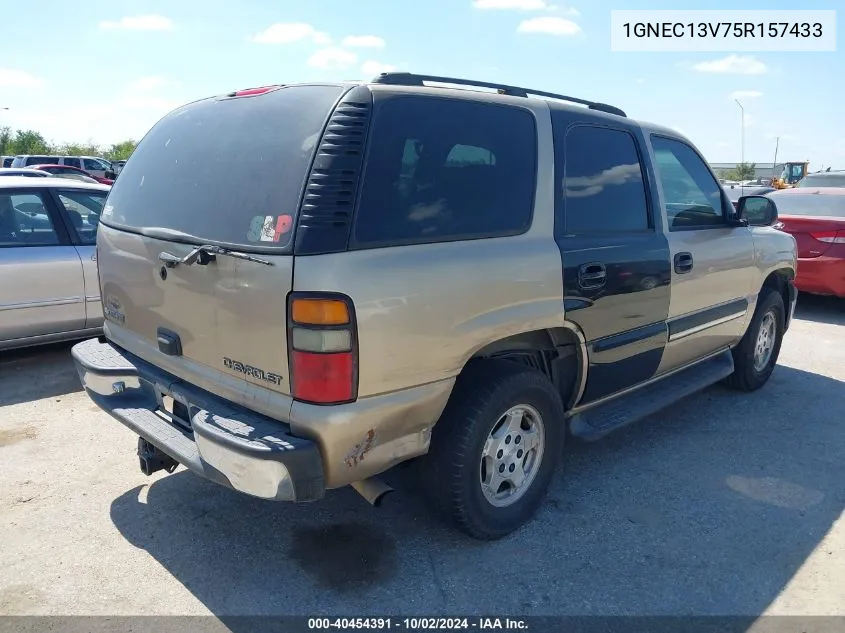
417 624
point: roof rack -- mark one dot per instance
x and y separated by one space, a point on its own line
411 79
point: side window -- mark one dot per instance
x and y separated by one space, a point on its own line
73 162
39 160
83 209
91 165
25 221
600 181
443 170
692 196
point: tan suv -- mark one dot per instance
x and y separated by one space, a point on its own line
306 285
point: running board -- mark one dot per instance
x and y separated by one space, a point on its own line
601 419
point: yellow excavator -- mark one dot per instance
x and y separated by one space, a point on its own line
793 171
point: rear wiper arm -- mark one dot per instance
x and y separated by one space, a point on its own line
206 253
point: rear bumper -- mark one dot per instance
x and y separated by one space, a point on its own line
219 440
821 275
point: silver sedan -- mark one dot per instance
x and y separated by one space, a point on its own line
49 288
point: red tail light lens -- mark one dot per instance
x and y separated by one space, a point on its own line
323 349
322 378
830 237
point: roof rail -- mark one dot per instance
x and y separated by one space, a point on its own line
412 79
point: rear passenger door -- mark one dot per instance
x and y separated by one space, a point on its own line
82 209
713 268
42 287
615 255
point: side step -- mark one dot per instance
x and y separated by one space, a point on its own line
596 422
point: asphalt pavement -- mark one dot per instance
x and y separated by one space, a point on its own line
726 503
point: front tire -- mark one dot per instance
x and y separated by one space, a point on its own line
757 353
494 449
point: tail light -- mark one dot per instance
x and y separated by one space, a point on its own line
323 348
830 237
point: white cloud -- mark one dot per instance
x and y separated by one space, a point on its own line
332 58
734 65
10 78
363 41
139 23
522 5
289 32
372 68
550 25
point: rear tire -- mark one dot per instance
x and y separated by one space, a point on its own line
475 460
757 353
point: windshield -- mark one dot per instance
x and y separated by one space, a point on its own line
823 180
812 204
228 171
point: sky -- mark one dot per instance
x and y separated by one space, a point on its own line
107 71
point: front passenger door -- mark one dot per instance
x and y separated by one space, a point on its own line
712 261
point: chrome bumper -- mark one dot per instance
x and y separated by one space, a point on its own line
212 437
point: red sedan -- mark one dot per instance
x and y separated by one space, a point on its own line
69 172
816 218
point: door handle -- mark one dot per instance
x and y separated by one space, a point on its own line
592 275
683 263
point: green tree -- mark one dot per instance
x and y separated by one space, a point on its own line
29 142
5 140
745 171
122 150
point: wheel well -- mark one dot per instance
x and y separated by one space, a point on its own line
779 282
555 351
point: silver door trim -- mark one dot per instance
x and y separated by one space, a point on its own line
708 325
41 304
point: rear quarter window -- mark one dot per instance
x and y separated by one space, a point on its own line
445 169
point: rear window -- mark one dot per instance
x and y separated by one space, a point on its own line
827 180
446 169
225 170
812 204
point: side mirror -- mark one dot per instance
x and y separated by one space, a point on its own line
757 210
111 175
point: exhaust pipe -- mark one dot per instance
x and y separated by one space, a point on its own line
373 490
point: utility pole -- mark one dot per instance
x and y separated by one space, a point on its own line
775 163
742 111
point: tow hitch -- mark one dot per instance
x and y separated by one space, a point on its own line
152 459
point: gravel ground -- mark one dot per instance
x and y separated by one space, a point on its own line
723 504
